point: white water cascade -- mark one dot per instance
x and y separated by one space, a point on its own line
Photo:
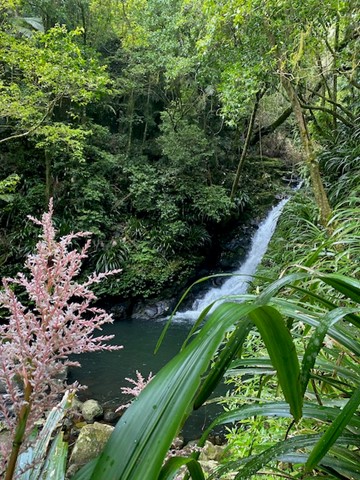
238 282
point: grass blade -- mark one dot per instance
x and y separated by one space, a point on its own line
250 465
316 342
334 431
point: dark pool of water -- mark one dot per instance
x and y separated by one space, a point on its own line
105 373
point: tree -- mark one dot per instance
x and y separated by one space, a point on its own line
292 43
47 82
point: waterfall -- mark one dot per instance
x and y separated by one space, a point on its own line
237 283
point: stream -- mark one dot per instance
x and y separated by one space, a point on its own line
105 373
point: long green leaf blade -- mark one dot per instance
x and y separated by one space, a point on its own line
144 433
55 464
283 355
334 431
222 363
276 409
173 465
316 342
350 287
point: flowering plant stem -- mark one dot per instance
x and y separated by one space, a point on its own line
19 432
39 335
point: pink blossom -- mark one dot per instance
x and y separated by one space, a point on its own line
54 321
139 385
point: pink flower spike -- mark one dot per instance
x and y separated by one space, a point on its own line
55 321
139 385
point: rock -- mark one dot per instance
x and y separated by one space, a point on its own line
152 310
91 441
212 452
177 443
91 409
2 387
110 416
209 466
119 309
76 404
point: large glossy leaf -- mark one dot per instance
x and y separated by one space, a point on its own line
143 435
334 430
282 352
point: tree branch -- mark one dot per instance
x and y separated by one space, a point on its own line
262 132
330 112
345 110
352 82
37 125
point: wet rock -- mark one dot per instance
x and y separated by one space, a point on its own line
91 441
91 409
152 310
209 466
5 438
119 310
110 416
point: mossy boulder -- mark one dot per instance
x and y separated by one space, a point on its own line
90 443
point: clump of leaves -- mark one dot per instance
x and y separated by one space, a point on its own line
50 318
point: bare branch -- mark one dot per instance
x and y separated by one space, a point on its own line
330 112
341 107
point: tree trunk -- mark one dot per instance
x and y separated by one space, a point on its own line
131 108
48 177
310 157
146 114
235 185
263 131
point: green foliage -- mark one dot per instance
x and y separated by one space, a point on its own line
328 344
212 203
340 160
144 434
49 68
147 272
149 147
8 187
